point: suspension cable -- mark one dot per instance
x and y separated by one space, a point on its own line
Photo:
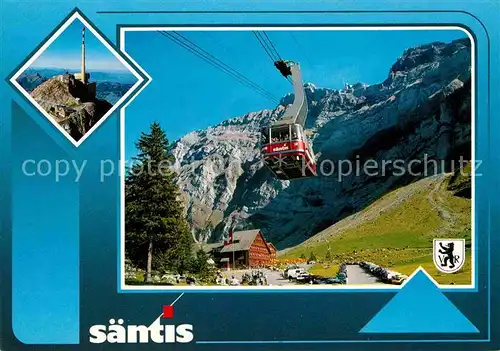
272 45
265 46
301 49
195 49
269 48
258 87
212 60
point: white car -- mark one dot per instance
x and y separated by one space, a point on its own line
294 273
234 282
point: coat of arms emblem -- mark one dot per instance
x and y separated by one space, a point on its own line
449 254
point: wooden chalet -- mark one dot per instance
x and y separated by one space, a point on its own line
248 249
272 249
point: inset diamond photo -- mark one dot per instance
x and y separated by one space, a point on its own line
76 79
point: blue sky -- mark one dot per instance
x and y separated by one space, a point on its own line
65 52
187 93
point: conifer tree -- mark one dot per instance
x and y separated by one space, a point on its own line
154 220
328 256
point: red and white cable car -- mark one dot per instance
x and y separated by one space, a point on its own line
285 148
286 151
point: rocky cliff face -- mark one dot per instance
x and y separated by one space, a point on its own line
422 108
71 103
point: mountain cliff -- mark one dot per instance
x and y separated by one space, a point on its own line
71 103
422 108
109 86
30 80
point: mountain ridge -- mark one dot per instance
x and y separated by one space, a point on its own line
109 86
422 107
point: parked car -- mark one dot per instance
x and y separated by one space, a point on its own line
303 277
303 274
398 279
294 273
335 280
285 271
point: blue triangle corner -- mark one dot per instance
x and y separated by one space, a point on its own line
419 307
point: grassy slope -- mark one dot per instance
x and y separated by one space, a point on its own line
400 236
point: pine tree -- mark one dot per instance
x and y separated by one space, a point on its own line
154 220
201 263
328 256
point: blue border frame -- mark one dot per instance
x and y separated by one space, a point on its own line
52 33
488 150
284 290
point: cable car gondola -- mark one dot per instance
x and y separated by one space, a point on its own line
285 149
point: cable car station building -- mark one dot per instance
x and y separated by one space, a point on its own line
248 248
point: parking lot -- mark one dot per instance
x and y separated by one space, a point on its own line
274 278
357 275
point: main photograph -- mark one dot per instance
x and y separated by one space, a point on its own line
299 158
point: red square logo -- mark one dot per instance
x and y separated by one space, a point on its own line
168 311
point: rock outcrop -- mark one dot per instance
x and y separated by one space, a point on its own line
72 104
421 111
